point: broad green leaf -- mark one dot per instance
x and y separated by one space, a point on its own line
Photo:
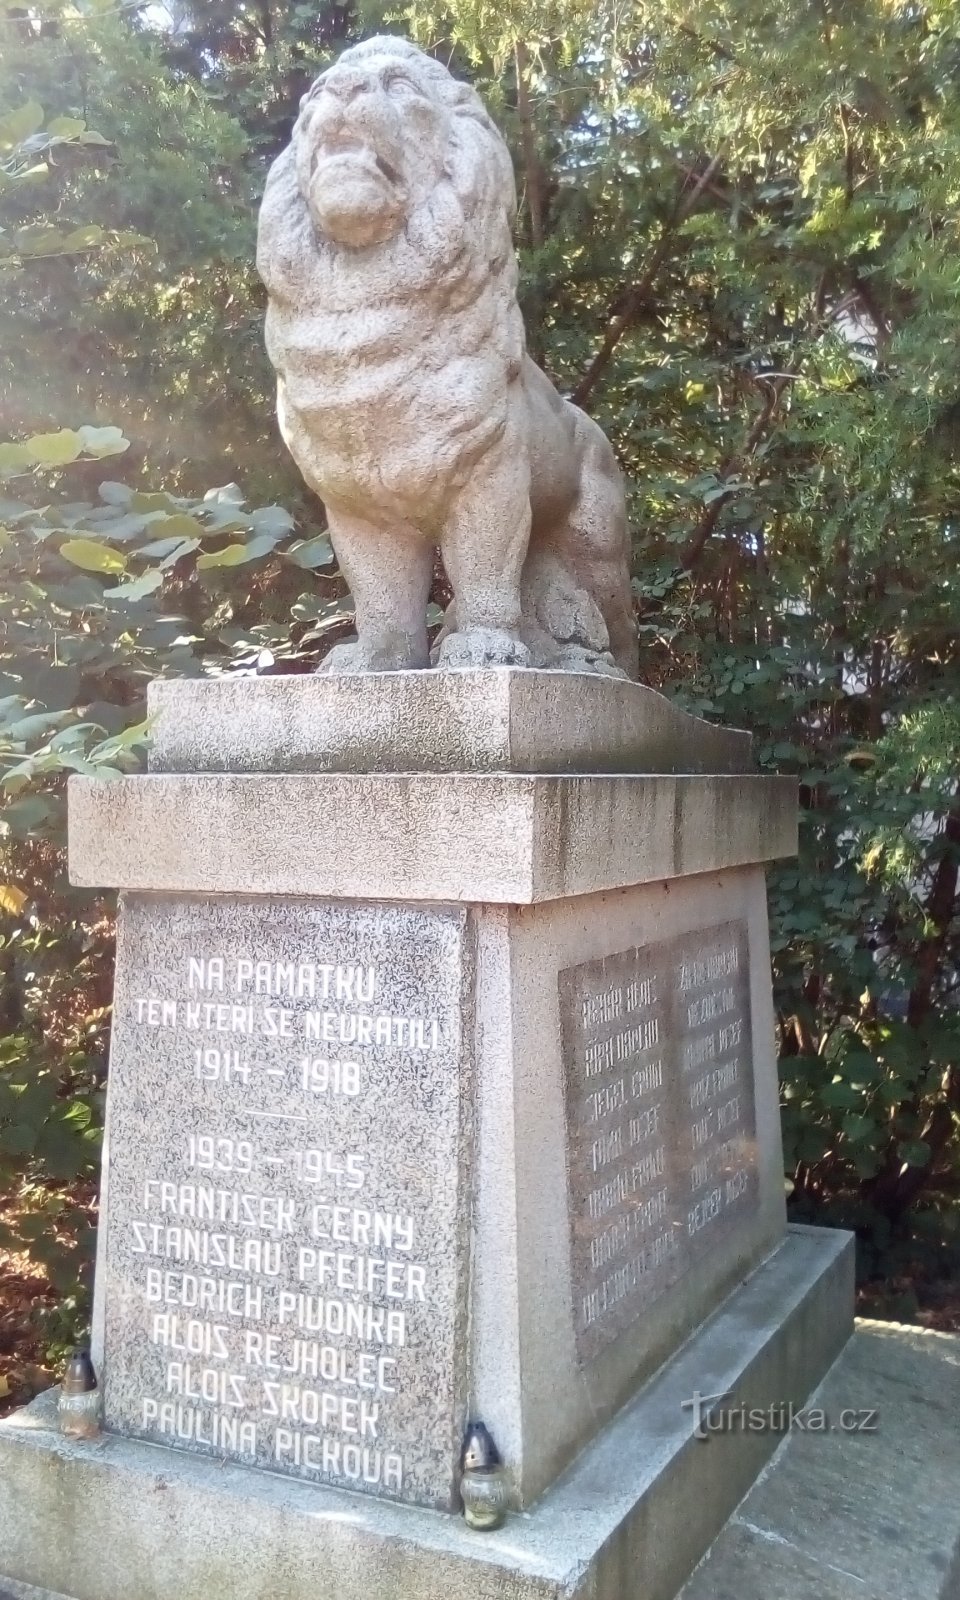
127 526
136 588
841 1094
74 735
153 502
181 548
228 494
92 557
28 815
17 510
39 722
115 494
12 899
18 1138
100 442
137 734
84 238
272 519
164 547
55 449
19 124
312 553
234 555
41 240
915 1153
859 1128
66 127
178 526
14 458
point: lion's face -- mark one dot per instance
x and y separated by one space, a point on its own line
370 145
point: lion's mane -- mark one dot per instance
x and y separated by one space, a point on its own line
470 211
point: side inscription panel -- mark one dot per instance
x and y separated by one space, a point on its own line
661 1127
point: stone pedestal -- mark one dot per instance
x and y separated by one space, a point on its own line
442 1086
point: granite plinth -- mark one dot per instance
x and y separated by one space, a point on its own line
310 1101
482 1059
483 838
598 1247
122 1520
500 719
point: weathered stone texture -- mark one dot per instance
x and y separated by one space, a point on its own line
661 1122
500 838
627 1522
287 1211
500 719
542 1380
405 394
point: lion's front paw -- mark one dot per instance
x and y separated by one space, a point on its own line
343 659
391 655
482 647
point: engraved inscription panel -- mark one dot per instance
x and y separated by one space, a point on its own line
661 1140
287 1230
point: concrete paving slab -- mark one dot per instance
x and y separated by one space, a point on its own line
872 1513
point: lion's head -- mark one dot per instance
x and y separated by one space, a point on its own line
381 132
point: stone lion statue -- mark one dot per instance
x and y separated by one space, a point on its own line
405 394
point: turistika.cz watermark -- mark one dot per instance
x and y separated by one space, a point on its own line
711 1416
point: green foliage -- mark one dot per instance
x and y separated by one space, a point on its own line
127 289
739 246
103 584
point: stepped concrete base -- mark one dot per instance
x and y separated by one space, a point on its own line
120 1520
849 1516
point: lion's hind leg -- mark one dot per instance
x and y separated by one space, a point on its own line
562 625
597 540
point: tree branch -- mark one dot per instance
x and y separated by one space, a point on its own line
896 1186
528 143
692 548
684 204
721 51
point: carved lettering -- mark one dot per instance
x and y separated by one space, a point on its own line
660 1107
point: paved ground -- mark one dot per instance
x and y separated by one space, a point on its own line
866 1515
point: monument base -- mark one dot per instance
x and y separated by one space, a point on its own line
629 1520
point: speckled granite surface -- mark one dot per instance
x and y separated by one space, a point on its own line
287 1203
497 719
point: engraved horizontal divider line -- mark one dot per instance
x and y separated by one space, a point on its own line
504 838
